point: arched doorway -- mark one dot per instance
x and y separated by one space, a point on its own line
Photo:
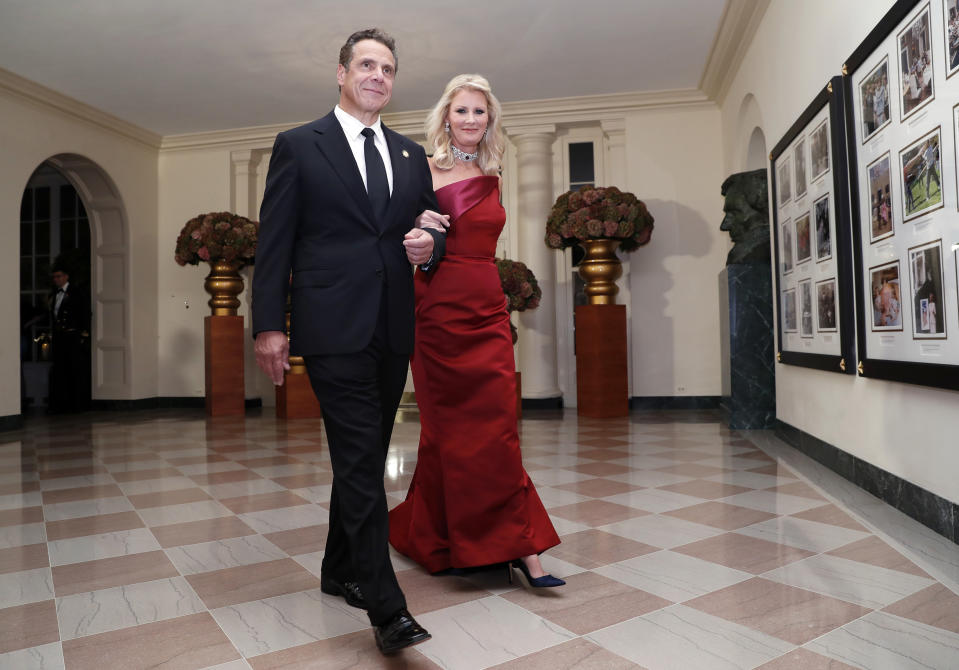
109 279
54 325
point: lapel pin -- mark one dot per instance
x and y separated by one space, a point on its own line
406 154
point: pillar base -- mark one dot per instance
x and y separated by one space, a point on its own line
223 355
602 384
295 399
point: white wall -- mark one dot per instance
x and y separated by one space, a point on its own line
909 431
30 133
675 165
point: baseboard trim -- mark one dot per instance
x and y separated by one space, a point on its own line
11 422
674 402
929 509
161 402
543 403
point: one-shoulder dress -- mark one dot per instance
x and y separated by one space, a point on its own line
470 502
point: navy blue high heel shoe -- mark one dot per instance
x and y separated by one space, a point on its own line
546 581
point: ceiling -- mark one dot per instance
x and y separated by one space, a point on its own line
182 66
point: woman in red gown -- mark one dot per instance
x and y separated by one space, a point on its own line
470 502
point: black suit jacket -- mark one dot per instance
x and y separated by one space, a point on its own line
316 220
74 314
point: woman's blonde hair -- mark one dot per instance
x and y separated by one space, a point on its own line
491 147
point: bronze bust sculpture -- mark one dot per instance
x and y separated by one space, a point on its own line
747 217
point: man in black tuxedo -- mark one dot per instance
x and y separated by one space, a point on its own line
70 321
342 195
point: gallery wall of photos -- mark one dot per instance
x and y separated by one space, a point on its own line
811 231
902 119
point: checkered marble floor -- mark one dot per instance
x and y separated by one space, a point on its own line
163 540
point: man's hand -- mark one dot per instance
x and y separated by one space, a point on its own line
273 353
419 246
431 219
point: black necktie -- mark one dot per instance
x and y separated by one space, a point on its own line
377 185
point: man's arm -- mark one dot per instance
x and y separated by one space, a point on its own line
274 259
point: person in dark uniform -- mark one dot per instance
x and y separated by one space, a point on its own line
70 320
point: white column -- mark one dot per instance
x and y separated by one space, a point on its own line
614 172
537 328
243 182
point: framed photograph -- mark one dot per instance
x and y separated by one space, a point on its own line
826 306
787 238
886 297
785 181
921 176
790 324
805 308
799 157
926 284
880 199
950 24
874 100
823 231
819 148
803 245
915 64
950 9
816 324
904 195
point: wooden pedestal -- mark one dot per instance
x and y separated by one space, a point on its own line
602 388
295 399
223 347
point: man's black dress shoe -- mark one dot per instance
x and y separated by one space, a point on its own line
349 590
399 632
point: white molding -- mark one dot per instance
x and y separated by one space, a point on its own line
48 99
737 27
555 111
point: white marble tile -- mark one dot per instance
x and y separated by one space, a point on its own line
313 562
156 485
17 500
665 532
289 470
208 468
237 489
772 502
567 527
558 460
82 508
654 500
26 586
105 545
124 606
809 535
680 637
286 518
262 626
315 494
206 556
183 513
17 536
754 480
239 664
484 632
557 477
60 483
860 583
553 497
400 562
880 640
44 657
133 466
643 461
650 478
732 462
675 577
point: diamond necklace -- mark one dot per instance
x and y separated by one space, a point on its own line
462 155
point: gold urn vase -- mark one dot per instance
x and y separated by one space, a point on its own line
600 269
224 284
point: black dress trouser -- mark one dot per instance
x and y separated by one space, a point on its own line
359 394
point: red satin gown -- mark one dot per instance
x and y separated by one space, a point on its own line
470 502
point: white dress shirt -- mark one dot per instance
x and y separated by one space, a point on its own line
59 299
353 129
